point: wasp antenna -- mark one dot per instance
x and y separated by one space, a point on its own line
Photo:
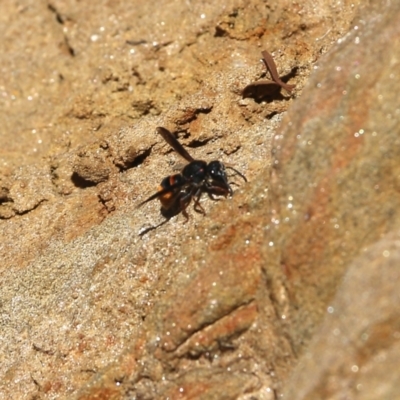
237 172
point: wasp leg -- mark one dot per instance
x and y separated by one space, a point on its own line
197 206
216 190
184 202
219 191
145 231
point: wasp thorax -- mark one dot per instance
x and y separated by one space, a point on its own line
195 171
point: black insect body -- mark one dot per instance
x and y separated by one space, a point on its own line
176 191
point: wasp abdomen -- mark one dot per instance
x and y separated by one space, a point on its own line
169 198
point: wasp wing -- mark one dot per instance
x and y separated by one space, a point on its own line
173 142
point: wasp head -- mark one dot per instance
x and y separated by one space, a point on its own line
216 171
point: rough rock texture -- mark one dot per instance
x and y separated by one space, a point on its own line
295 274
355 353
344 216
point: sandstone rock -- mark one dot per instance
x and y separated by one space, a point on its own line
102 300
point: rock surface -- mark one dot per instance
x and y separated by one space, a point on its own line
355 353
286 289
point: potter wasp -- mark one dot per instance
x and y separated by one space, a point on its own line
197 177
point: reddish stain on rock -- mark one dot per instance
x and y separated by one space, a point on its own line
219 288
